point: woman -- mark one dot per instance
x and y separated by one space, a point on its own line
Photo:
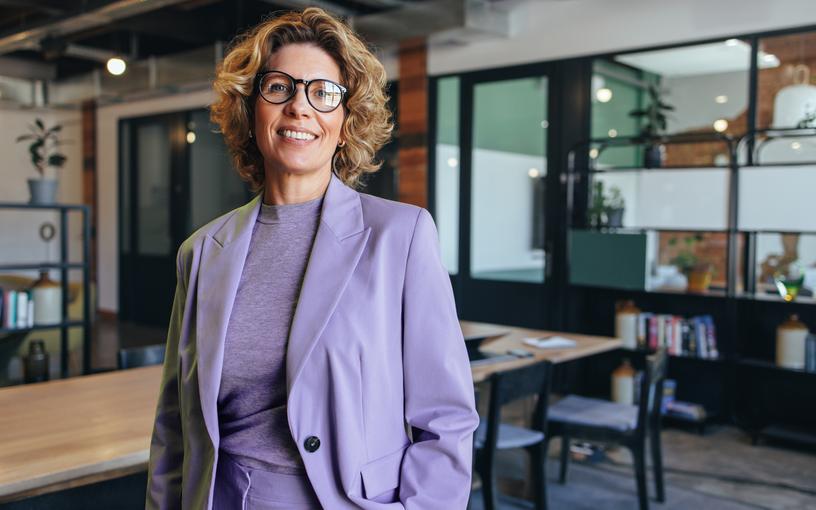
314 356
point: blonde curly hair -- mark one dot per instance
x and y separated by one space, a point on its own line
367 125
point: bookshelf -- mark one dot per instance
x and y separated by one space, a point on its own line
63 266
743 385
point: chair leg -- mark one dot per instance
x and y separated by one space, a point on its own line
490 492
538 478
657 461
639 456
565 450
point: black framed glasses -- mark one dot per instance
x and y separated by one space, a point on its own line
277 87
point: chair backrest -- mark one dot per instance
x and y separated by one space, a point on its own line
141 356
511 385
651 388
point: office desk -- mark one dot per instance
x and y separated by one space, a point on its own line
62 434
511 338
71 432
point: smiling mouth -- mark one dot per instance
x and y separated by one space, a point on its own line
296 135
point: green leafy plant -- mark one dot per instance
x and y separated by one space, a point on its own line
44 147
686 260
653 115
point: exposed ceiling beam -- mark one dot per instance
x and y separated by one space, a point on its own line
29 38
331 7
49 7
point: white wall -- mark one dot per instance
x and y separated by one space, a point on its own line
19 229
560 29
107 142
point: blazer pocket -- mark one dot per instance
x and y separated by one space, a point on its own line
383 474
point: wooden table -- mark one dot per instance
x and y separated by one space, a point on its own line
75 431
500 339
82 430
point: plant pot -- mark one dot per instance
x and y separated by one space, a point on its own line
699 280
653 156
614 217
43 191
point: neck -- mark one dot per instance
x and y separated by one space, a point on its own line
282 188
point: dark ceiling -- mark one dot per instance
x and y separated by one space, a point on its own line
167 30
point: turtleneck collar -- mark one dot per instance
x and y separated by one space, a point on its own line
290 213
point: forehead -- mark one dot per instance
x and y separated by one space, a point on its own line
304 61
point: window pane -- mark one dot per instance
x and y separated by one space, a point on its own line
447 171
154 157
705 86
215 187
508 175
787 68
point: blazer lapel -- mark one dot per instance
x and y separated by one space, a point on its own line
336 250
338 245
222 262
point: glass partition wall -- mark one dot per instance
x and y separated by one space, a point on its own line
490 179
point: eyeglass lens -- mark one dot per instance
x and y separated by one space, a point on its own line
323 95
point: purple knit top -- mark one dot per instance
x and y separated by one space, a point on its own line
252 397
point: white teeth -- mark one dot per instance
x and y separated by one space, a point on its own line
298 135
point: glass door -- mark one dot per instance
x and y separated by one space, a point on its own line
175 177
503 245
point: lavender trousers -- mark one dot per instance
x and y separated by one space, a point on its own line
238 487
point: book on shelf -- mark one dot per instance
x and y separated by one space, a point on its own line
16 309
694 337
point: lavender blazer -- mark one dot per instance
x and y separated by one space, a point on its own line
376 366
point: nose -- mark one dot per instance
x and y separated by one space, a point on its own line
298 105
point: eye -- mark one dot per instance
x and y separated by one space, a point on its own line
277 87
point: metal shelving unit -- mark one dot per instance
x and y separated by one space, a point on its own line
742 358
63 266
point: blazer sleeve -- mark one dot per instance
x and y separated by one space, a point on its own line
438 386
166 446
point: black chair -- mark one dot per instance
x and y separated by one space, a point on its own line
141 356
601 421
492 435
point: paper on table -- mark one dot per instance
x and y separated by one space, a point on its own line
552 342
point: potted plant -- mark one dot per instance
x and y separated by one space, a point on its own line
699 274
606 209
44 153
614 207
654 116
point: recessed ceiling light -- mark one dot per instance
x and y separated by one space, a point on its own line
452 162
731 42
191 137
721 99
604 95
116 66
533 172
612 133
593 153
796 146
720 125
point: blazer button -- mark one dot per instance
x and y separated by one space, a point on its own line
311 444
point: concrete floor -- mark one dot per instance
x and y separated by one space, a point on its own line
720 470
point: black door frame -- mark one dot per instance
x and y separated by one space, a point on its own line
536 305
179 201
